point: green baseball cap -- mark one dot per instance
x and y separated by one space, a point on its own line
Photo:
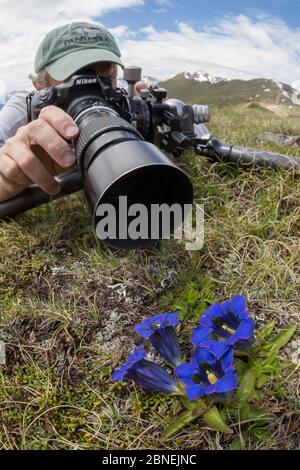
71 47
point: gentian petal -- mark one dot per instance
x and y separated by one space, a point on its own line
166 342
202 356
243 315
213 311
224 385
227 361
119 374
236 305
185 371
199 334
244 332
217 348
151 376
229 323
171 319
210 371
144 329
148 326
138 354
194 391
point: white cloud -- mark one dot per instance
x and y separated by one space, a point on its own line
234 47
20 17
24 24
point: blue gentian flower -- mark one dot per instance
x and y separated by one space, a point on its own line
145 373
160 331
138 354
206 374
229 323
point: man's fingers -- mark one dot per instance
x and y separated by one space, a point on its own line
41 133
8 188
33 168
60 121
20 166
12 172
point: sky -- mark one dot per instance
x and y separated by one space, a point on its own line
229 38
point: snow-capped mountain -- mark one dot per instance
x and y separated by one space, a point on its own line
296 85
202 87
290 93
202 76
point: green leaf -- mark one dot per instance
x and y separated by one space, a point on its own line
257 367
247 386
244 413
216 421
257 395
239 442
261 416
270 359
249 414
236 444
261 435
267 368
278 341
179 423
283 337
262 380
176 408
266 330
240 366
183 420
188 404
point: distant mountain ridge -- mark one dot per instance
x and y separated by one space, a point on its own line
202 87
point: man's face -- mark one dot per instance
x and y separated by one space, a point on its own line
103 69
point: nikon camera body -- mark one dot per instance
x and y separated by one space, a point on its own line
121 142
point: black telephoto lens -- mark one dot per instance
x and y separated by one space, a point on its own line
116 161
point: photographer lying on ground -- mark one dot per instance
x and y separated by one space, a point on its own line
32 153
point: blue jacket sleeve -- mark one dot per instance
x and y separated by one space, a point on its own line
13 115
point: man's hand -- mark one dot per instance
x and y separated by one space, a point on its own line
37 152
139 86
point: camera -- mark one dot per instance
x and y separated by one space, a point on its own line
122 143
121 154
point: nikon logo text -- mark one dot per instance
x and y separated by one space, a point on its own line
85 81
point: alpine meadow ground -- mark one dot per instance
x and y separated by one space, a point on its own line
68 306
